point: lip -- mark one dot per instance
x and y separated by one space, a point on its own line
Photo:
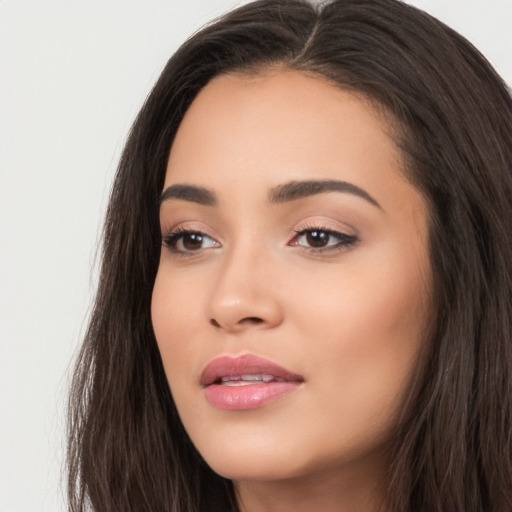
248 396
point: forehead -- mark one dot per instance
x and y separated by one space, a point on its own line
262 130
284 110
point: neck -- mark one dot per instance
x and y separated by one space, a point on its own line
325 491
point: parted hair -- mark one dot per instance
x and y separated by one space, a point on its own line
452 113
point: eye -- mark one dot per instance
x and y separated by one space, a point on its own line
184 241
321 239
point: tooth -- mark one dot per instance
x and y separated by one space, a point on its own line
245 380
237 383
229 379
251 377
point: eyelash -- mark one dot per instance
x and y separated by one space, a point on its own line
172 239
344 241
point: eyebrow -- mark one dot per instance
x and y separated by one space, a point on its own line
300 189
281 194
190 193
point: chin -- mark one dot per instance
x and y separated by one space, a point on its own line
257 460
245 457
248 469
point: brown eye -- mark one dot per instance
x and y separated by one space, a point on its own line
317 238
321 240
192 241
188 241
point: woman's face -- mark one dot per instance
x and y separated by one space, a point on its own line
293 290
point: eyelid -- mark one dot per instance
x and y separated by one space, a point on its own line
347 237
189 227
326 224
344 237
172 235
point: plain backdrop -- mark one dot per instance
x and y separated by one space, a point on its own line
73 74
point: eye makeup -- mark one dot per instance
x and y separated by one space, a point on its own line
321 239
313 238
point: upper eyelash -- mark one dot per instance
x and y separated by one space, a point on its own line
348 240
170 239
173 235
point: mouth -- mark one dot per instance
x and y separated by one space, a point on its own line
246 382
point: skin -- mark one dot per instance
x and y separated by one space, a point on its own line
350 319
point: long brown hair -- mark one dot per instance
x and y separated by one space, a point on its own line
453 452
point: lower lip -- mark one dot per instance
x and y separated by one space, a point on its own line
253 396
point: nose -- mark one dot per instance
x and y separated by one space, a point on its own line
245 295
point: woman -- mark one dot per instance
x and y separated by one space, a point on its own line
305 298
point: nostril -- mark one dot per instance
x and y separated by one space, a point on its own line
251 320
248 320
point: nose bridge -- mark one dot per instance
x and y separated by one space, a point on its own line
243 295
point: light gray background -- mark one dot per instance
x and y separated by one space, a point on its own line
72 76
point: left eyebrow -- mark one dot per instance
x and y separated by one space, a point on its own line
300 189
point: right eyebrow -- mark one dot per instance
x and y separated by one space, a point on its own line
190 193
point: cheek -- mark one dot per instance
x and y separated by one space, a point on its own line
175 309
365 327
371 299
169 300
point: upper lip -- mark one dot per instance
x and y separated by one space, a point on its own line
246 364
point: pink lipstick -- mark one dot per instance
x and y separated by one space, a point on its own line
246 382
